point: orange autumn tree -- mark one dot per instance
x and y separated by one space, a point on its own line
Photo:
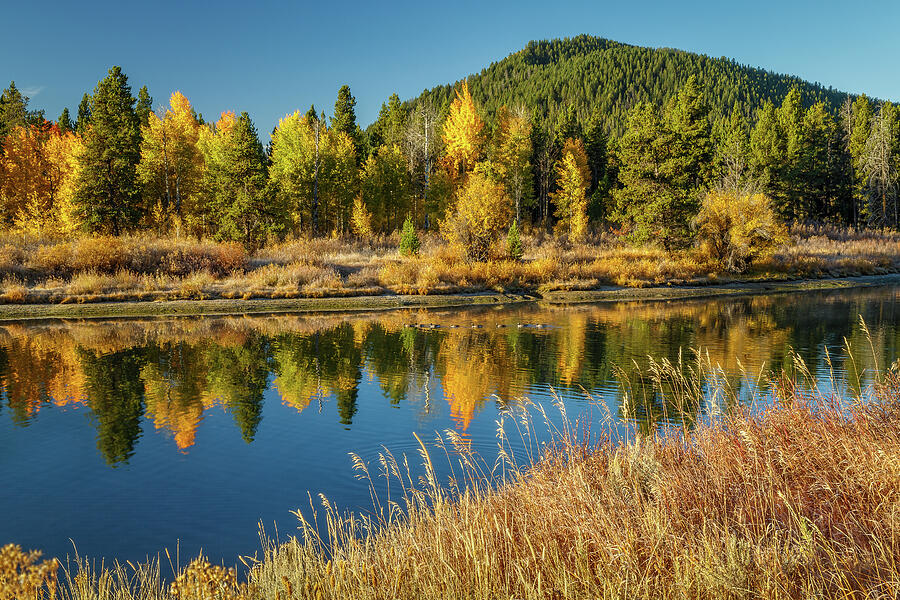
38 168
463 132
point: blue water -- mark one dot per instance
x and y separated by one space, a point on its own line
125 438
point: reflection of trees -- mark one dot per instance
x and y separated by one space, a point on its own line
175 370
174 378
237 376
311 366
115 395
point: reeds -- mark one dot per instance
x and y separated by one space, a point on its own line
796 496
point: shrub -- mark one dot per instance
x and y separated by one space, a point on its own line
514 243
735 228
409 241
22 576
482 211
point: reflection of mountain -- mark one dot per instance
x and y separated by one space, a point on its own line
175 370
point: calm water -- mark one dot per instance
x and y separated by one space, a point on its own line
130 437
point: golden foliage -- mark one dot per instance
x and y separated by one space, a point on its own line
463 131
483 210
171 167
39 165
735 228
571 197
204 581
361 218
22 577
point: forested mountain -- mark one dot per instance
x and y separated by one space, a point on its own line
599 75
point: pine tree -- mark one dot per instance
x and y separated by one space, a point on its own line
65 121
789 188
768 153
344 119
245 214
144 105
107 190
860 128
732 151
84 115
665 165
595 144
388 129
514 243
567 127
13 109
409 241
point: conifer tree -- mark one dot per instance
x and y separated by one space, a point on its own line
245 215
567 127
84 115
13 109
107 189
65 121
732 150
409 241
144 105
388 129
514 243
595 144
344 119
665 165
860 128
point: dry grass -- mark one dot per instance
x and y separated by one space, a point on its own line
142 268
799 498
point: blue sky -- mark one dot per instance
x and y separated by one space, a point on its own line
271 58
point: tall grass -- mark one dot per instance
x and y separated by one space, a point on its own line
797 497
152 268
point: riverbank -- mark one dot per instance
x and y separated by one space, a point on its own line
223 307
145 276
796 498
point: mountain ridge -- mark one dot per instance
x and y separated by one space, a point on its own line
599 74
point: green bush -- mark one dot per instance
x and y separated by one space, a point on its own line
409 241
514 242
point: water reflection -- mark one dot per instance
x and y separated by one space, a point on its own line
174 371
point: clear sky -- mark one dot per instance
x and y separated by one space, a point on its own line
270 58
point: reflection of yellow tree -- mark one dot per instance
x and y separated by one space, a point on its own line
170 408
570 342
38 372
473 367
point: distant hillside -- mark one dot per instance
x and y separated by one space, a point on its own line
595 73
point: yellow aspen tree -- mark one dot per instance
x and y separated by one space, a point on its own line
513 156
463 132
571 198
171 165
62 150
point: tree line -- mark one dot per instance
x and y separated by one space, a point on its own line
121 166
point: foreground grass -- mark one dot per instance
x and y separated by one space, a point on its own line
800 499
143 268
